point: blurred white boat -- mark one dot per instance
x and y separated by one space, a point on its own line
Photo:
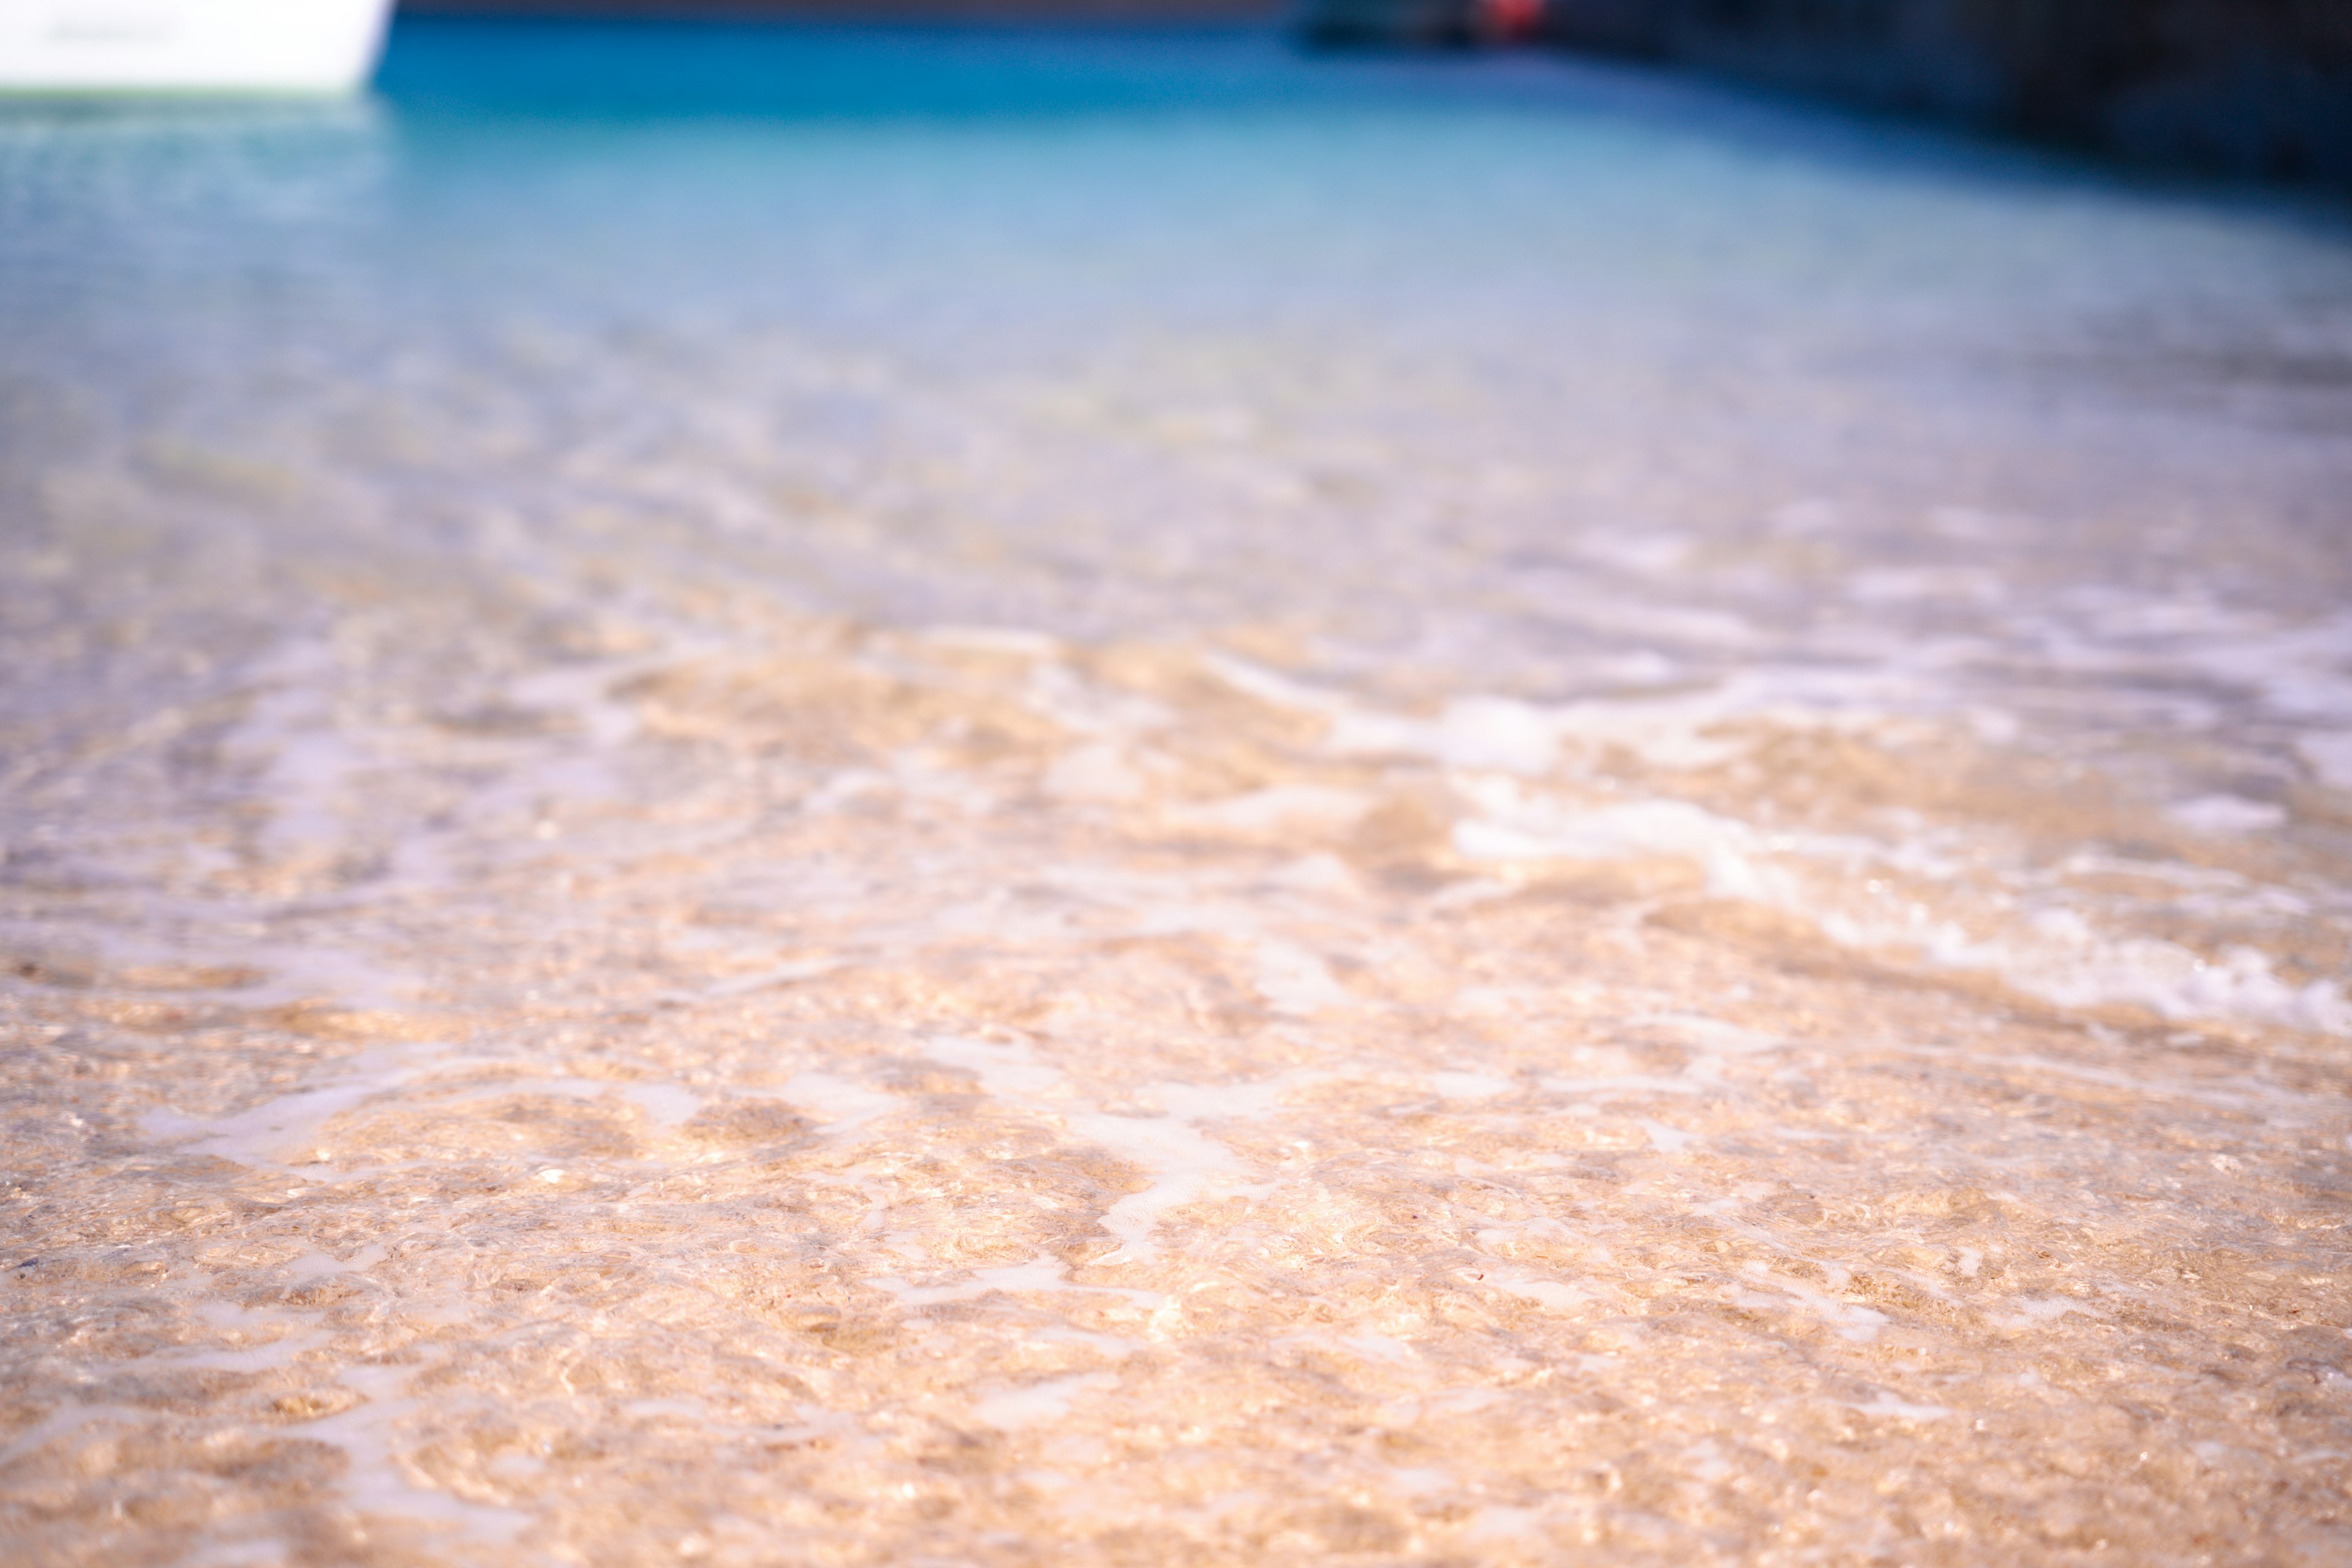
189 46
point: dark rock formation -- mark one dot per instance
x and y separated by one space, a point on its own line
2252 86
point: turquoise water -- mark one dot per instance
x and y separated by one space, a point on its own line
802 795
1673 312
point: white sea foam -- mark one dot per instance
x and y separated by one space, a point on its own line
2227 814
2064 960
840 1105
1038 1403
2329 755
1295 981
1521 826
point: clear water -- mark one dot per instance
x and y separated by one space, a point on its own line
788 795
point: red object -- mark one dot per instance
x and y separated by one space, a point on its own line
1510 20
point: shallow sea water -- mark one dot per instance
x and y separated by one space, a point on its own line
928 798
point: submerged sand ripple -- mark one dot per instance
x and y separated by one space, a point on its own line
994 1101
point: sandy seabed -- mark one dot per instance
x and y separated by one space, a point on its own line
957 1098
749 843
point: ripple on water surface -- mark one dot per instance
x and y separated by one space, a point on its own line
860 798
